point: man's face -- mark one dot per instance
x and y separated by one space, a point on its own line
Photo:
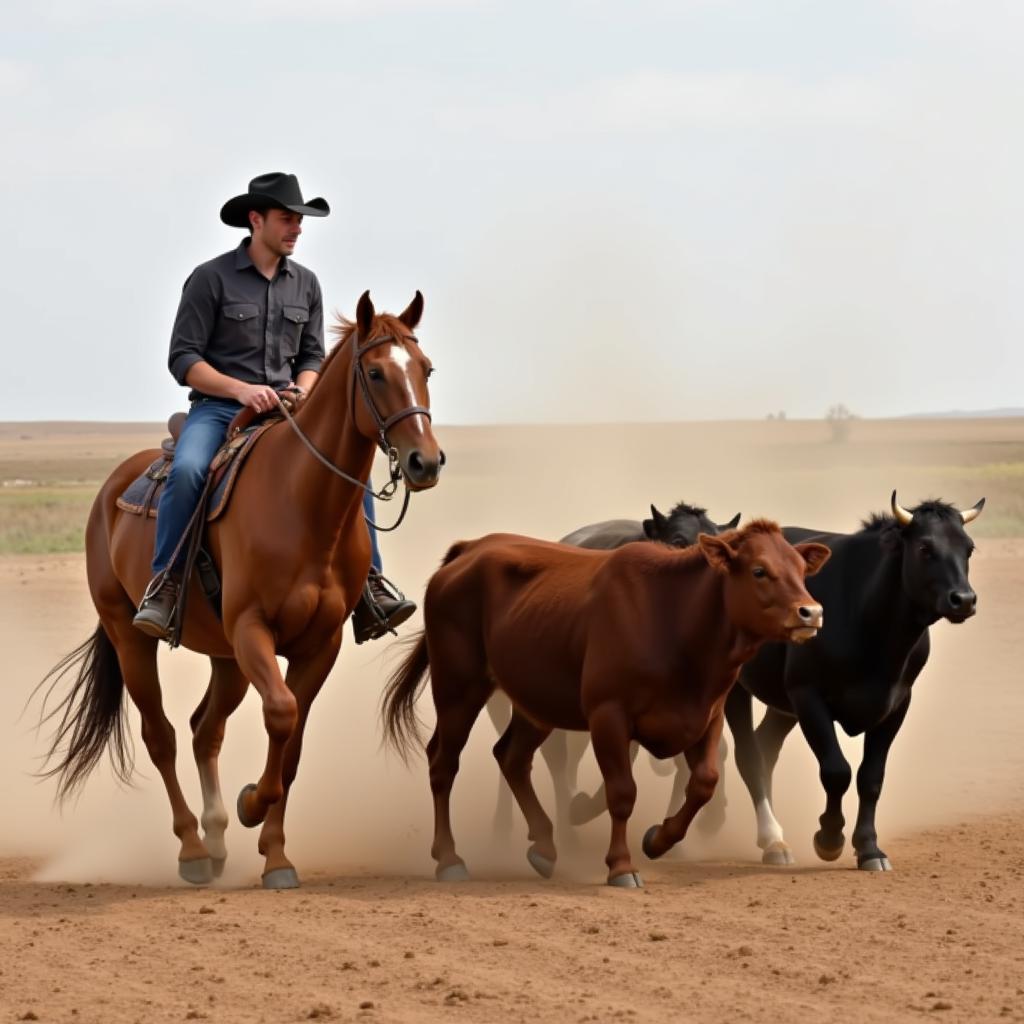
279 230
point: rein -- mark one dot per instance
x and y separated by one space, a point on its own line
387 492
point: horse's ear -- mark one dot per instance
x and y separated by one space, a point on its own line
364 315
732 524
411 316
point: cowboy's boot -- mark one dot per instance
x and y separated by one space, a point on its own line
157 608
381 607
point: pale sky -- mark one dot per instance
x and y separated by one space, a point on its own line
664 209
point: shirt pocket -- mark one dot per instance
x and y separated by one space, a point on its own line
294 320
239 312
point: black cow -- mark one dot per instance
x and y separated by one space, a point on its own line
881 590
563 751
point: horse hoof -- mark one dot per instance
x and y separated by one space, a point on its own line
828 853
541 864
646 844
281 878
218 866
240 807
875 864
452 873
778 854
197 872
630 880
581 809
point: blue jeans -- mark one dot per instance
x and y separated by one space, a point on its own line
375 560
201 436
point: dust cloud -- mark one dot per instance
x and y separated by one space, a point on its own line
357 809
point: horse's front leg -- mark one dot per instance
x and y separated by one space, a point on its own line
255 652
702 759
877 742
305 678
609 732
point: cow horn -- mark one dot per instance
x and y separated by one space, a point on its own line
972 513
903 517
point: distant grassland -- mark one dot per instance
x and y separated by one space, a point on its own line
50 473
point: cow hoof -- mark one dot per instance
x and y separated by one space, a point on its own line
240 807
583 809
281 878
828 852
778 854
541 864
875 864
648 840
452 873
196 872
630 880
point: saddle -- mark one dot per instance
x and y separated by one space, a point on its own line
141 497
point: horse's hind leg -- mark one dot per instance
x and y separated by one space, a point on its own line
514 753
224 694
137 655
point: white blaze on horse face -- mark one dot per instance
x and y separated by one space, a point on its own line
402 359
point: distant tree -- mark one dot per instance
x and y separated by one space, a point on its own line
839 418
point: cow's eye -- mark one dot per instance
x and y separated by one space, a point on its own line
927 551
760 572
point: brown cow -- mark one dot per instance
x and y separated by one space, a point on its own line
640 643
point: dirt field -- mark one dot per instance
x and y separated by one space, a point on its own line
94 925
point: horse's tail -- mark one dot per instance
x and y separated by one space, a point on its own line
90 718
398 705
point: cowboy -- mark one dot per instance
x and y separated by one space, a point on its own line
249 324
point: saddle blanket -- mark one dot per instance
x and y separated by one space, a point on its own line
142 496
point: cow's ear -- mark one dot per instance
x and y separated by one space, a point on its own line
732 524
814 556
718 553
656 525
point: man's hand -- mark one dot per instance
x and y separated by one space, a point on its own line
256 396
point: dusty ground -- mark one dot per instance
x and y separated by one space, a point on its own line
95 927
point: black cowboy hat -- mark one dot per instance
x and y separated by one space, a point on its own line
277 190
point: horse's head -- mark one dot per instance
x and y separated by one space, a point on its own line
390 396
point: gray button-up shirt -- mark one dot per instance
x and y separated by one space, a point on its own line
252 329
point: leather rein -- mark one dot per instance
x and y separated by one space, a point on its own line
387 492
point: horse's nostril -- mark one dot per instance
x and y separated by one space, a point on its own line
416 464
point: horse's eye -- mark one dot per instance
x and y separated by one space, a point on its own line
374 374
760 572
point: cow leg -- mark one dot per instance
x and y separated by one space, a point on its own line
500 712
712 818
555 751
459 697
225 692
586 807
609 733
877 742
771 734
756 776
514 753
702 759
834 770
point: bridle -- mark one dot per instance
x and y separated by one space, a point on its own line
387 492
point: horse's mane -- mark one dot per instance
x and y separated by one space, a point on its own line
880 521
343 329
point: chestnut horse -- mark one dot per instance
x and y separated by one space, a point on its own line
293 552
640 643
